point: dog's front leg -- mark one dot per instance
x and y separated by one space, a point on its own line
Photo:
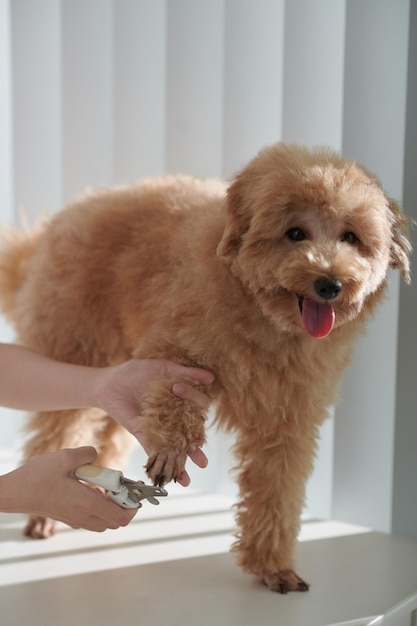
171 428
272 486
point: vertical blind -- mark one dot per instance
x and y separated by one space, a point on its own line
101 92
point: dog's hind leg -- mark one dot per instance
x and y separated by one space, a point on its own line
113 444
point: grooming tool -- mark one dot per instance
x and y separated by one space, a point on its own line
125 492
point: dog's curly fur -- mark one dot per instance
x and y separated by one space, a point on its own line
234 279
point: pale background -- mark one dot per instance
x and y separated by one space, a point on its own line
97 92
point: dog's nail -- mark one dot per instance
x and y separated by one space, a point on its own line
159 480
283 588
149 466
303 586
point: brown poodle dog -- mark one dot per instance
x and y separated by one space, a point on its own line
266 283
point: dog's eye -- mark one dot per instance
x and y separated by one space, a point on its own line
296 234
350 237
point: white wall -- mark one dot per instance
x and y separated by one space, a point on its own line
404 509
107 91
6 143
140 59
11 420
36 101
374 133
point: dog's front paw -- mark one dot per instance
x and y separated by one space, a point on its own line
39 527
170 428
165 465
284 581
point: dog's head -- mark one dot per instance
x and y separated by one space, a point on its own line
311 236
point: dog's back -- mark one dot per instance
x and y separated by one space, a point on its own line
66 285
17 251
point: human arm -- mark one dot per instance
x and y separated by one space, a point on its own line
31 381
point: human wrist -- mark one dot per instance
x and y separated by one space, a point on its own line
9 494
95 391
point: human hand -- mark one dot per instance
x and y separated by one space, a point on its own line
119 391
46 486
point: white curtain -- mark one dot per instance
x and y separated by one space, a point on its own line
106 91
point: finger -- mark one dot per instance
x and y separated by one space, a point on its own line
187 392
183 479
95 526
203 376
116 519
81 456
96 505
114 515
127 516
198 457
195 373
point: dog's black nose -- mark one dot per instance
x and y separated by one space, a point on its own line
327 288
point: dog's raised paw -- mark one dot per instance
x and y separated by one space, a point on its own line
39 527
164 466
284 581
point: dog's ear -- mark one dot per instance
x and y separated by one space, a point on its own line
238 218
400 244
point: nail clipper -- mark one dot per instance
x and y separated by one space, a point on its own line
125 492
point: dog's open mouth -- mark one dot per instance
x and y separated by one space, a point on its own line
318 317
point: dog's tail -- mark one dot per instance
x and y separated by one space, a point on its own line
16 249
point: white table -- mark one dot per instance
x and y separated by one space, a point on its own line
353 577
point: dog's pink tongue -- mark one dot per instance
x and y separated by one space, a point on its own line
318 318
